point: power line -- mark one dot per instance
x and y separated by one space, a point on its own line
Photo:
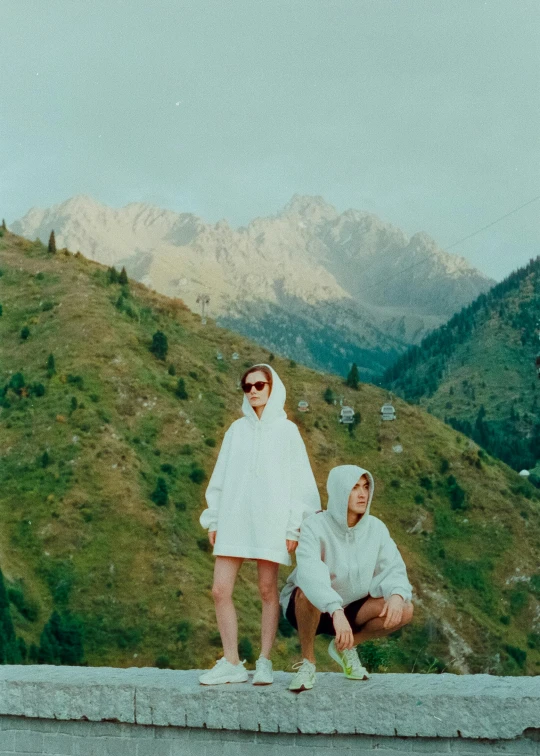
385 280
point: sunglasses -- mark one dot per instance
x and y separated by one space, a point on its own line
259 385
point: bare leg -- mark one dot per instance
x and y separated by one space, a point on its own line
368 615
225 572
268 577
307 618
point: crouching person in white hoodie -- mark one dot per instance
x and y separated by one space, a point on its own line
350 580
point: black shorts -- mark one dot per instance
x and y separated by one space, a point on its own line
326 625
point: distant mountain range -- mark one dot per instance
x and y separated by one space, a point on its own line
319 286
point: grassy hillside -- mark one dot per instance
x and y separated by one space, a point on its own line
478 371
89 530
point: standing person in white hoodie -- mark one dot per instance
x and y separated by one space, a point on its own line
350 580
261 489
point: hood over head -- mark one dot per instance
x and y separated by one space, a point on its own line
274 407
340 483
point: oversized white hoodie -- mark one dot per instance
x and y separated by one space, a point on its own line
262 485
336 564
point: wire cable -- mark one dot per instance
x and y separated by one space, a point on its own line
385 280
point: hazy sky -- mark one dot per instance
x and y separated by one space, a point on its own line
425 112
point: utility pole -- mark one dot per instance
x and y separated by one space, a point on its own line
203 300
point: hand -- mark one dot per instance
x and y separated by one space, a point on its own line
212 537
344 633
291 546
393 611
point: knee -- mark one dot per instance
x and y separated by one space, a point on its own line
268 592
221 592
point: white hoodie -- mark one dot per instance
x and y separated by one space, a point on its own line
336 564
262 485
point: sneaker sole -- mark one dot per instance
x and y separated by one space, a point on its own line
223 682
334 654
301 688
271 682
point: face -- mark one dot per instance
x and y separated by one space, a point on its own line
258 398
359 496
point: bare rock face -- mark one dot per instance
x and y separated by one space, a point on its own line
307 271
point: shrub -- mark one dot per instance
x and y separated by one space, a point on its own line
184 630
1 310
395 483
285 629
203 544
17 383
419 498
112 275
181 392
328 395
214 639
445 466
197 475
162 662
123 277
171 370
457 494
210 442
245 649
45 459
517 654
426 482
194 375
167 468
28 609
77 380
292 364
518 601
160 345
61 641
160 495
25 333
186 449
180 506
51 369
505 619
37 389
533 641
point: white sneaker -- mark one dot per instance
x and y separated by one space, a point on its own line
224 672
263 672
304 679
349 662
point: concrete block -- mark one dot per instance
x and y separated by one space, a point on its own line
57 743
27 741
514 747
154 747
7 740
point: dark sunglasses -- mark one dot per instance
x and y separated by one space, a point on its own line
259 385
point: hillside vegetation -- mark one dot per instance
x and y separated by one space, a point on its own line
109 432
478 371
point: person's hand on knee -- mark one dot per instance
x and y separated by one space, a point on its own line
393 611
212 537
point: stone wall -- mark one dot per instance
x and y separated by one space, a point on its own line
77 711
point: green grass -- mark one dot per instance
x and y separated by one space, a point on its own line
82 533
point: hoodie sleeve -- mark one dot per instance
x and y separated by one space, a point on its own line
313 575
304 496
209 517
390 574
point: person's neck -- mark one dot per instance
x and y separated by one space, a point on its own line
353 519
259 410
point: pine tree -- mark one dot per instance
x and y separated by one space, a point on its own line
4 227
160 345
9 650
160 495
113 275
51 369
353 379
181 392
328 395
123 278
52 244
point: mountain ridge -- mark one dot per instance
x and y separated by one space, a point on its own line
307 254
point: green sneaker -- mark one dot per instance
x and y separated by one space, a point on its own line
304 679
349 662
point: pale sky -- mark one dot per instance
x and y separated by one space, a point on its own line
425 112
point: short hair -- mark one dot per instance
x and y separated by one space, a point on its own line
258 368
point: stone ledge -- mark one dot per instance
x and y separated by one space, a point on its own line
425 706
